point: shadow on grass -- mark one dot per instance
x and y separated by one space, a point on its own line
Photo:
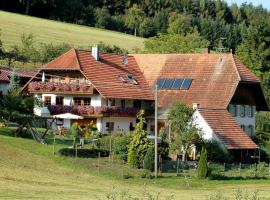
11 132
223 177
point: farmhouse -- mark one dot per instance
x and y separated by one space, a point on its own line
109 89
225 94
106 89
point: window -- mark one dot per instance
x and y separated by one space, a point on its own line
132 79
87 101
59 100
80 101
242 110
77 101
232 109
47 100
111 102
137 104
109 127
249 110
243 127
250 130
123 103
131 127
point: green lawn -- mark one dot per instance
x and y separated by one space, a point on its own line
14 25
29 170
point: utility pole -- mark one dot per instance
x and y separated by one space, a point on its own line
156 130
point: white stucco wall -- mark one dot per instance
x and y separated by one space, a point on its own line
121 123
99 124
4 88
96 100
206 130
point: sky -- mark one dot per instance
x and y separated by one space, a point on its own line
265 3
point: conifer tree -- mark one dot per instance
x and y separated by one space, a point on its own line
202 167
14 83
139 143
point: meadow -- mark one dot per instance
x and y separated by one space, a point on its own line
29 170
47 31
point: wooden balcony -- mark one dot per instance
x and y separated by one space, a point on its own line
59 88
97 111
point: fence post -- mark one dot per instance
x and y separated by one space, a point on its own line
76 150
240 166
177 168
123 168
160 164
269 169
54 145
98 162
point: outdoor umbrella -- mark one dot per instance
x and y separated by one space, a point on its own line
67 116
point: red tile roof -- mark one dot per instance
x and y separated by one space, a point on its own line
66 61
215 77
227 130
104 74
6 72
4 77
244 73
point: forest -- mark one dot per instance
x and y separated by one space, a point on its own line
172 26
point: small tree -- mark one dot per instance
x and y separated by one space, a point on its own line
75 132
14 86
134 17
185 131
202 166
149 159
139 142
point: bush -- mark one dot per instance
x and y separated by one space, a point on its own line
163 147
149 159
216 153
83 153
202 166
120 146
147 174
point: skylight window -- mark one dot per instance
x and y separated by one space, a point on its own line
174 83
128 79
132 79
121 78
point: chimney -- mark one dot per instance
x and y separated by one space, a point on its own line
95 52
195 106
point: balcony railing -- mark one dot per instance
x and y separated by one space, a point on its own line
50 87
94 111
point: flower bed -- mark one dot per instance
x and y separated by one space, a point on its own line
90 110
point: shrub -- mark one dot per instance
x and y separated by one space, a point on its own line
216 153
163 147
83 153
202 166
147 174
120 146
149 159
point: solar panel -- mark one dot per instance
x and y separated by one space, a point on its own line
168 83
186 84
177 83
160 82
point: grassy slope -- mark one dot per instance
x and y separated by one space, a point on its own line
28 170
47 31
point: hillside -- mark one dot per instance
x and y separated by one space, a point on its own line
47 31
29 170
